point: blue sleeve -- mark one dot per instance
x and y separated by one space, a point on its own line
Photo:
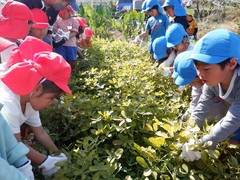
9 172
11 150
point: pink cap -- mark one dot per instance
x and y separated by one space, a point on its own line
4 44
27 49
14 21
68 9
82 22
88 32
23 77
40 17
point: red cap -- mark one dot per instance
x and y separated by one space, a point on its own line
68 9
88 32
23 77
4 44
27 49
40 17
14 23
82 22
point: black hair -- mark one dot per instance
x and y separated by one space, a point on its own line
51 87
224 63
155 7
166 7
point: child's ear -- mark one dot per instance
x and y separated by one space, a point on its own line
38 88
233 63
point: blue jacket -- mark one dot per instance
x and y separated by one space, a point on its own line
12 153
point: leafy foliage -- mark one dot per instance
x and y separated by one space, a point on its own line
122 122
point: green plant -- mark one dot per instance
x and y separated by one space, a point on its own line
122 122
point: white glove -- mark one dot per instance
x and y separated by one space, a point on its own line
26 170
66 35
189 155
191 37
50 28
137 39
48 166
142 43
166 71
181 88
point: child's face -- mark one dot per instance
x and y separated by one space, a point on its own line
197 82
65 15
212 74
38 33
189 18
40 101
169 11
152 12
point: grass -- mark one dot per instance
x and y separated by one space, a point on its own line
225 19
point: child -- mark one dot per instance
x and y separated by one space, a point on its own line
163 55
177 38
216 58
193 28
40 27
82 25
13 161
28 87
186 74
85 41
176 12
67 23
156 25
15 24
26 50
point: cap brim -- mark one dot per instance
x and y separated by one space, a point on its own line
40 26
64 87
172 44
157 57
183 81
207 58
74 5
4 44
174 75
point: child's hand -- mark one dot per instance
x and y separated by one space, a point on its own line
26 170
48 166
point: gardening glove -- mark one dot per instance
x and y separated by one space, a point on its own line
166 71
191 37
26 170
48 166
181 88
66 35
50 28
190 155
137 39
142 43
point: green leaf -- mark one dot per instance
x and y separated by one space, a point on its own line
157 142
147 172
142 162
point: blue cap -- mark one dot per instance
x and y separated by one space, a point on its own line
150 3
175 65
185 69
175 34
74 5
217 46
159 46
178 9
